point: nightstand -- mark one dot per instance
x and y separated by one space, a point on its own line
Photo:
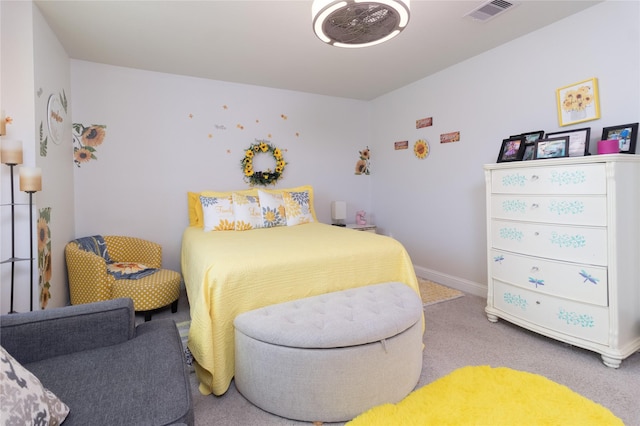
365 228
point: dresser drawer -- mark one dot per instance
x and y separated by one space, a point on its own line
583 283
576 319
579 244
578 179
568 209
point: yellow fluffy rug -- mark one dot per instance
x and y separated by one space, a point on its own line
482 395
433 293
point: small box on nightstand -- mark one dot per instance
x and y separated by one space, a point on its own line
365 228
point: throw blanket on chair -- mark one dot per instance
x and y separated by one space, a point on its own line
119 270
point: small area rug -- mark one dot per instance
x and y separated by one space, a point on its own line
433 293
183 329
482 395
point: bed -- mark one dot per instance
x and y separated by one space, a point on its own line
230 272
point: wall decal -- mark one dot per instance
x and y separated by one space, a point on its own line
43 142
421 149
450 137
401 145
85 141
424 122
362 165
44 256
56 114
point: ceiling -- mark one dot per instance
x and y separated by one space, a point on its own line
271 43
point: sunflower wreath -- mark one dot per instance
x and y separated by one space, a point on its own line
269 177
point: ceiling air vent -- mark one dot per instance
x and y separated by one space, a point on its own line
489 10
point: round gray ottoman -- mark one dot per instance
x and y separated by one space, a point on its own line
331 357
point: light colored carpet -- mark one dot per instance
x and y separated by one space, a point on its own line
433 293
482 395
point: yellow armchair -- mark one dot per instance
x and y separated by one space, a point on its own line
90 282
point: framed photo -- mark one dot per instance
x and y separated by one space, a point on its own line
552 148
529 150
511 149
531 136
626 134
578 141
578 102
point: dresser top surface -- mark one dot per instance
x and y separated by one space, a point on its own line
590 159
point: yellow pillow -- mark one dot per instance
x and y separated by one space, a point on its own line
218 213
308 188
297 207
246 210
195 206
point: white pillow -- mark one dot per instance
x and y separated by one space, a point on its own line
217 213
246 210
272 209
24 401
297 207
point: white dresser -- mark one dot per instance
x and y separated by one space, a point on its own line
564 250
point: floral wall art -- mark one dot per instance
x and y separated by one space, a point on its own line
362 165
44 256
56 115
85 141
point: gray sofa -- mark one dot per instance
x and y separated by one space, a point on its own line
105 368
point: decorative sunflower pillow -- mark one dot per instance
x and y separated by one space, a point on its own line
246 211
297 207
272 209
217 213
129 270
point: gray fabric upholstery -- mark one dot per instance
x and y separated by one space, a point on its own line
345 318
107 370
331 384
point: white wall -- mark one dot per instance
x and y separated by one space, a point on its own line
52 78
34 65
16 99
436 206
157 147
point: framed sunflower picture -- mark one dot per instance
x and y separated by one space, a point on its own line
578 102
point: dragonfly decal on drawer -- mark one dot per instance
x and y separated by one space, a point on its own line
588 277
536 281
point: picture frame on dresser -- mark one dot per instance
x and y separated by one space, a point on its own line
626 134
578 140
530 137
529 150
511 149
551 148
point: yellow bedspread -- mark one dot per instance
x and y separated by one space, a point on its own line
231 272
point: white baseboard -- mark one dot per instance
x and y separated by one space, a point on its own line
451 281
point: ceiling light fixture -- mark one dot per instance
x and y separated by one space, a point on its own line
359 23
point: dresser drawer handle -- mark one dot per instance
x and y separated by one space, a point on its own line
534 269
536 233
534 177
534 206
538 302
